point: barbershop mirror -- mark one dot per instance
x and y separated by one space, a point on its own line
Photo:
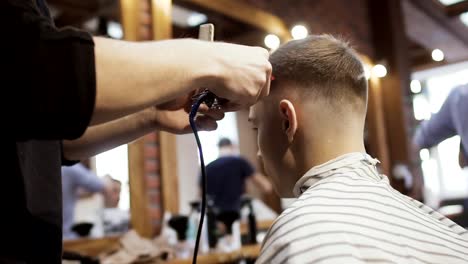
185 21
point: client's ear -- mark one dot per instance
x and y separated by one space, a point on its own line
288 118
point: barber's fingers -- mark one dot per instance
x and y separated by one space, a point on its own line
231 107
265 91
216 114
243 74
206 123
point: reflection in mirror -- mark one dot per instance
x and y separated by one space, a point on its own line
227 128
103 210
115 163
235 162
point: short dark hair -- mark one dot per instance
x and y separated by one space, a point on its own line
327 65
224 142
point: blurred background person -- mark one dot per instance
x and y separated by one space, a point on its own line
112 197
75 180
451 120
227 177
115 220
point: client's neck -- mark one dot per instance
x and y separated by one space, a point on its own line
317 148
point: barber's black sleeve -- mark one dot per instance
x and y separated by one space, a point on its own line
47 75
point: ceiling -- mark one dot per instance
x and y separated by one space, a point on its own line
433 25
430 24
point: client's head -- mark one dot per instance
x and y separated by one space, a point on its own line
315 111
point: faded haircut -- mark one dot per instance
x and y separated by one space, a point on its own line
324 66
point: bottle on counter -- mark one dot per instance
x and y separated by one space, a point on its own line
180 223
248 217
192 229
231 240
211 215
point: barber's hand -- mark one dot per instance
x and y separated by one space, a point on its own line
242 74
173 117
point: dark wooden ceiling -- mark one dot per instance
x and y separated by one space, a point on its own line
429 25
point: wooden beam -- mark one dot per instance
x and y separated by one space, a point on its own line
428 25
140 218
457 30
375 122
457 8
162 19
247 14
435 64
162 29
169 172
130 10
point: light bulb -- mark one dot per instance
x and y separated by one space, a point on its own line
438 55
424 154
415 86
379 70
272 41
299 32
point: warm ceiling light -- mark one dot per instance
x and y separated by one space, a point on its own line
299 32
450 2
114 30
196 19
424 154
367 71
437 55
184 17
415 86
464 18
379 70
272 41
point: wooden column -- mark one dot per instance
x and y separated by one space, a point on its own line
391 46
140 219
162 29
375 123
130 19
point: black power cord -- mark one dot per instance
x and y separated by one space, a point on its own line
209 99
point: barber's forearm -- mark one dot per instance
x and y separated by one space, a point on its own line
103 137
133 76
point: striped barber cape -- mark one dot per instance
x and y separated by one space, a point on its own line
346 212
